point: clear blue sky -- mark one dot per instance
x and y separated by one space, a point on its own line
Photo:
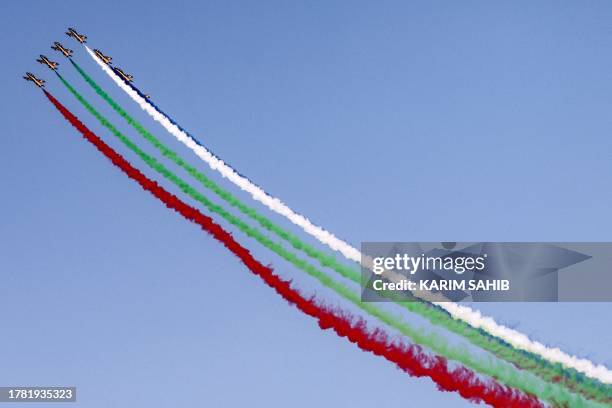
412 121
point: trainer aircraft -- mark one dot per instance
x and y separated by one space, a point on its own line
74 34
46 61
31 77
123 75
59 47
105 58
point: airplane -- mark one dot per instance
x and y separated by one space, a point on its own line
79 37
105 58
30 77
123 75
44 60
59 47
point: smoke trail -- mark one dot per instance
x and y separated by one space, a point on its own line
409 358
503 372
323 259
572 380
217 164
472 317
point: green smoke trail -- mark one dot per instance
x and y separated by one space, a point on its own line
501 371
549 371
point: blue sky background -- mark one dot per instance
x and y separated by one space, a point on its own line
412 121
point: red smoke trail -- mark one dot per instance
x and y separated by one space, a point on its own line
409 358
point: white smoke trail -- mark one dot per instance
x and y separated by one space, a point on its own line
521 341
215 163
472 317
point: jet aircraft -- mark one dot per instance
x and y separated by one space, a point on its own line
123 75
31 77
59 47
46 61
74 34
105 58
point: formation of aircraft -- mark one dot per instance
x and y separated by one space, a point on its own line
31 77
59 47
68 53
105 58
74 34
46 61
